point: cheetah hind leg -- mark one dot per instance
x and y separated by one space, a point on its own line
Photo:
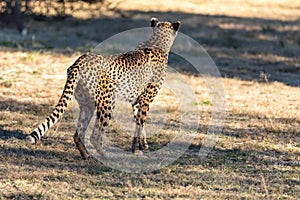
87 108
83 122
103 117
105 105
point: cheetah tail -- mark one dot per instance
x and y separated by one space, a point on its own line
59 109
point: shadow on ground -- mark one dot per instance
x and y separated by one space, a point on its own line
62 152
6 134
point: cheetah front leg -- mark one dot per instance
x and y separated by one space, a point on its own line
141 108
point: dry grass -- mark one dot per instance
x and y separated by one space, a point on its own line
256 157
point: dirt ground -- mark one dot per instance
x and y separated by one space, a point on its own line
256 47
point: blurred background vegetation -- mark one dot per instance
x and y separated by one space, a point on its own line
246 39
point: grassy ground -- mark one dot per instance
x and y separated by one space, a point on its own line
257 155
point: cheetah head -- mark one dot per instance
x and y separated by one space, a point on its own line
164 28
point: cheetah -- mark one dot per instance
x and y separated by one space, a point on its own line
97 80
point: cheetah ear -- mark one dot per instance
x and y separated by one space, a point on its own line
176 25
154 21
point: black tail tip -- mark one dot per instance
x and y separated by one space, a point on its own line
31 139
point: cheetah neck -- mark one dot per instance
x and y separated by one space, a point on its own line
159 42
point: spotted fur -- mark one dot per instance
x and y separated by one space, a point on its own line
96 80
